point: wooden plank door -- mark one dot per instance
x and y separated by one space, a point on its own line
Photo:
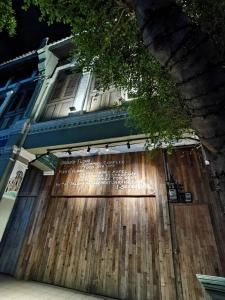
97 228
106 246
197 249
109 235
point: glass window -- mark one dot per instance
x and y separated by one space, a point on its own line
21 98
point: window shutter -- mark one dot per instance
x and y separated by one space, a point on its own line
62 96
72 85
57 89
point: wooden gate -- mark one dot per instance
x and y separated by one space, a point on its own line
101 225
95 228
106 246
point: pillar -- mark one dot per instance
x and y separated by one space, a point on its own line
19 164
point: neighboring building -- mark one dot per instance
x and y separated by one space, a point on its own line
100 222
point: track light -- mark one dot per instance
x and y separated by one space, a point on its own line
69 152
128 145
88 149
107 147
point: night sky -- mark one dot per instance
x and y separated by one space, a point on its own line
30 33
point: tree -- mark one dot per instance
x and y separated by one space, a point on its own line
191 58
176 75
7 17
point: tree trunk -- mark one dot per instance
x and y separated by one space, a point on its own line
193 62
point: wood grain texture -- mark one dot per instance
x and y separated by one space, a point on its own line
98 99
197 248
130 174
14 235
61 97
117 246
121 246
188 168
102 246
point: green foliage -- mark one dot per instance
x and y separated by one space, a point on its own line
160 119
107 42
210 15
7 17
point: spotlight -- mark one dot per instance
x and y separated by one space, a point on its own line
107 147
69 152
128 145
88 149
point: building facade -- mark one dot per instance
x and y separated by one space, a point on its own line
45 105
83 205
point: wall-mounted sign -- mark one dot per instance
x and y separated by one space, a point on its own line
15 180
108 175
10 194
14 183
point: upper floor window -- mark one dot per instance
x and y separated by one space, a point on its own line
61 98
100 99
18 103
21 98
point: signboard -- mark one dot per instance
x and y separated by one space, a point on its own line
15 180
10 194
108 175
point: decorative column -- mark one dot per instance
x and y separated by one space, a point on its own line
20 159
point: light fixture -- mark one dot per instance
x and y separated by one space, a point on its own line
88 149
128 145
72 108
107 147
69 152
204 155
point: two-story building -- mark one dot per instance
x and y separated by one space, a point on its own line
83 204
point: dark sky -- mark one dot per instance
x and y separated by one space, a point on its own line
30 33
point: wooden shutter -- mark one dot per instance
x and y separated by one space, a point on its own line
114 97
62 97
72 85
102 99
58 87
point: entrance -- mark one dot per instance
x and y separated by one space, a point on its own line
101 225
95 228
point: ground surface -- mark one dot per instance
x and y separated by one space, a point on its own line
12 289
